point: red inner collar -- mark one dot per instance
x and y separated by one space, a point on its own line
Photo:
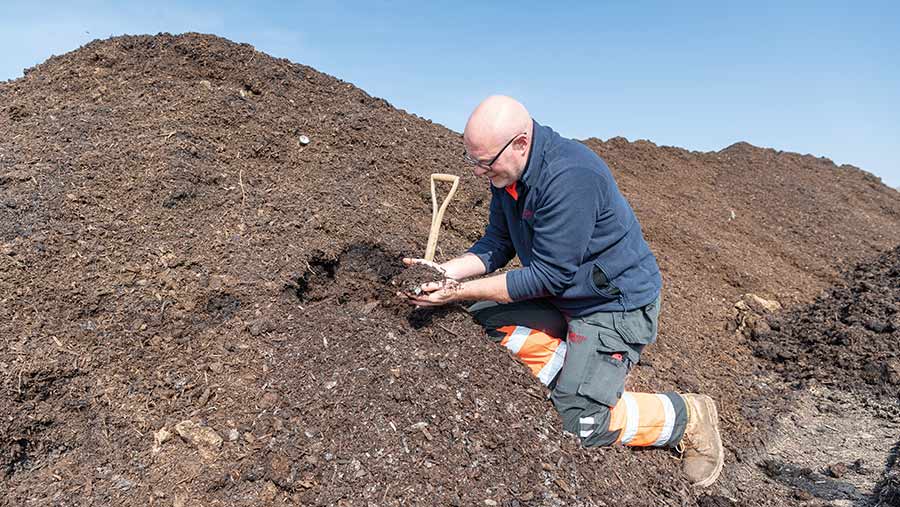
511 189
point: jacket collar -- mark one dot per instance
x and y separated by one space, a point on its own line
535 155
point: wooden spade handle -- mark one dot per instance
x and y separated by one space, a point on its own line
437 214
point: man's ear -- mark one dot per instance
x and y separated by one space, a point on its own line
521 143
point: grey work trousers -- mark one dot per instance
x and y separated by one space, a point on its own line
601 350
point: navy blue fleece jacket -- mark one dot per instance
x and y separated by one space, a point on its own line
577 237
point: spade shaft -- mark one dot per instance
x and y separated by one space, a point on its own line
437 213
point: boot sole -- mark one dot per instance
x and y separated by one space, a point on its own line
711 406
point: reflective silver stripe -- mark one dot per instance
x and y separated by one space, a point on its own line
549 371
517 339
669 425
589 422
632 417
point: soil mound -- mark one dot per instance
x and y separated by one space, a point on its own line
196 300
848 338
888 492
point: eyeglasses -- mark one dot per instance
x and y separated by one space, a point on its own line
487 165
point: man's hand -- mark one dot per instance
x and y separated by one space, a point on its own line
451 289
431 293
434 293
433 265
459 268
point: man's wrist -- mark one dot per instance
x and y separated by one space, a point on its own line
459 293
448 271
483 289
456 268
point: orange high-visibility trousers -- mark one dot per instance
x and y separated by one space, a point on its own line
542 353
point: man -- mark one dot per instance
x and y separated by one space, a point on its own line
586 301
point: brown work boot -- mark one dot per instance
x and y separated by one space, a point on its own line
701 445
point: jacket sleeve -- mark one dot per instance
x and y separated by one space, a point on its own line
564 220
495 248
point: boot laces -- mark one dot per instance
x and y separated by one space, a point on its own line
700 445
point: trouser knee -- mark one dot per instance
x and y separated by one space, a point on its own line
535 314
586 419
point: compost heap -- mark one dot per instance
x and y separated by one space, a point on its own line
197 304
848 338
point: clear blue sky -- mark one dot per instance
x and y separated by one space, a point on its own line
815 77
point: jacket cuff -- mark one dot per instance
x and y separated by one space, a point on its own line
485 258
522 284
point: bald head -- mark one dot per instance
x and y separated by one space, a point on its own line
495 121
498 139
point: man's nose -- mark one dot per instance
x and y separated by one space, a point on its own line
479 171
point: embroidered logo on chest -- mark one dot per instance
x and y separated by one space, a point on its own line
527 214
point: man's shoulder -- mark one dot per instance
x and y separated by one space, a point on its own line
571 160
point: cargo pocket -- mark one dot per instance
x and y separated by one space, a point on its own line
638 326
604 380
